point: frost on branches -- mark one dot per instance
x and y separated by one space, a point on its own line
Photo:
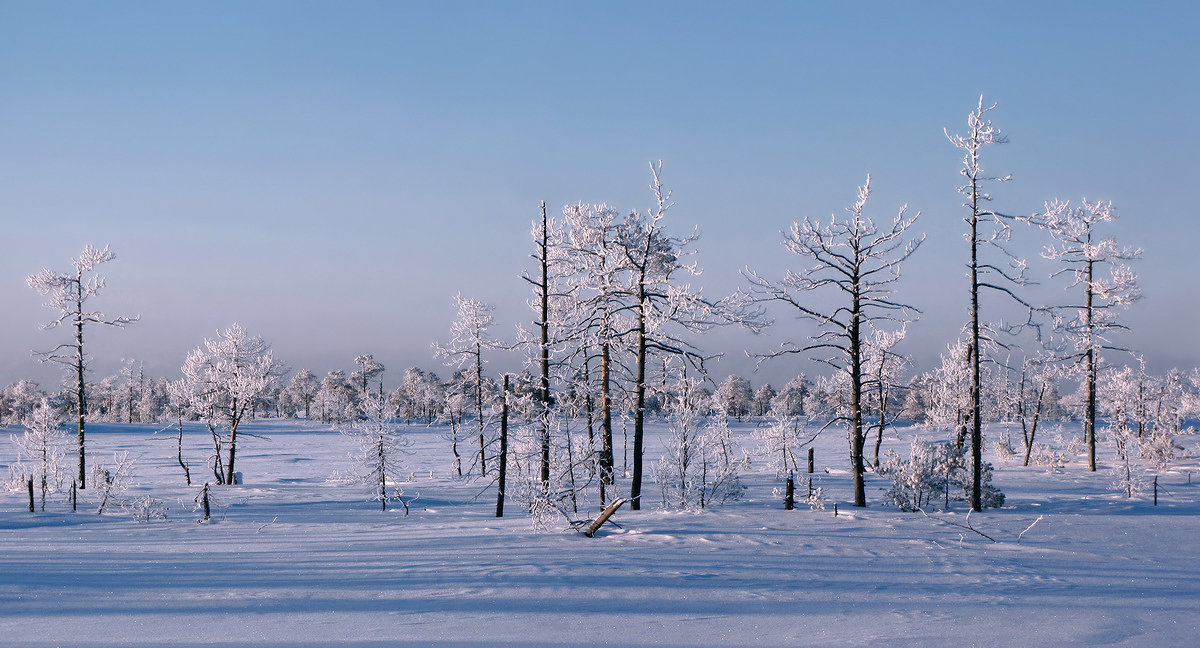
935 473
42 450
221 381
380 446
1095 264
700 465
69 293
469 338
782 440
851 263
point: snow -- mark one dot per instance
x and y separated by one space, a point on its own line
295 559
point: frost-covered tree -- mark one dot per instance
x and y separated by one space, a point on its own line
1095 265
43 447
335 397
1033 394
782 440
760 405
112 481
600 316
18 400
381 444
734 397
134 376
222 378
949 402
699 465
469 338
69 294
458 401
991 267
663 308
303 389
790 400
932 472
549 254
153 400
884 367
856 262
421 395
368 370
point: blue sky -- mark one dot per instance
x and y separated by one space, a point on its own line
329 175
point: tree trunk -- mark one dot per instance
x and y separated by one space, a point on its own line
544 379
381 459
233 426
976 387
857 437
502 459
603 517
479 407
639 414
606 432
1089 427
187 474
80 394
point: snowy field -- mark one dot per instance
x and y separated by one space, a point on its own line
292 559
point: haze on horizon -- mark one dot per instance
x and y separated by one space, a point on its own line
329 177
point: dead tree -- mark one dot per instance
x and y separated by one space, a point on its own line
69 294
1090 323
987 229
856 261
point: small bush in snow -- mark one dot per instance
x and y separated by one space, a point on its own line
1053 459
145 509
1075 446
110 483
935 472
699 466
1004 448
1125 476
43 450
1158 446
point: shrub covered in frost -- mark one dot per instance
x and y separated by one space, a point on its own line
935 472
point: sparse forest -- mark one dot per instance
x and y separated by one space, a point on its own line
616 340
615 408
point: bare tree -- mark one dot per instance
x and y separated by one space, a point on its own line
599 318
42 445
380 445
69 294
1086 254
987 229
663 308
858 261
468 339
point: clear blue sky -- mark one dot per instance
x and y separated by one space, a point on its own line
330 174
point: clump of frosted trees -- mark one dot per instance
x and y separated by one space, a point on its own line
613 318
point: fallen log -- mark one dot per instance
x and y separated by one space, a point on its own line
603 517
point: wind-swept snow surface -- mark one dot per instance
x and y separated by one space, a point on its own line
295 558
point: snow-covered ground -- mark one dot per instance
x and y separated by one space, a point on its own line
293 559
